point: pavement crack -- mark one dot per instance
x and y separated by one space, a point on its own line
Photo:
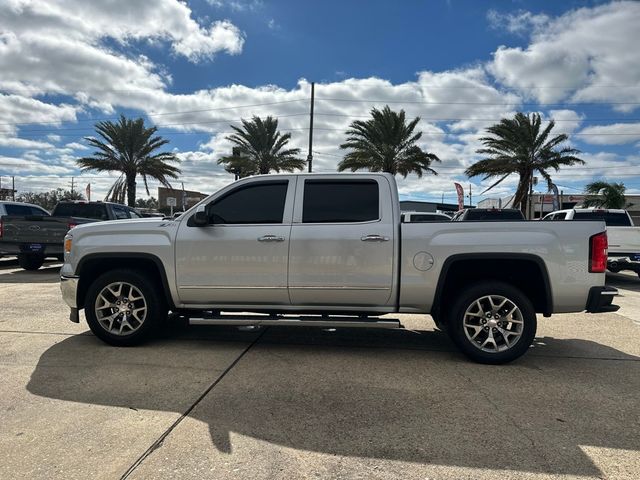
159 442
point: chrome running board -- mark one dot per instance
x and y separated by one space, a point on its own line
290 321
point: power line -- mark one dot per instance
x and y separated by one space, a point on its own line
95 119
328 129
224 120
452 119
427 102
236 120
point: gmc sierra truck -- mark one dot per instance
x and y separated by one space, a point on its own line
330 251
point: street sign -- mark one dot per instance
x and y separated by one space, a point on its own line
171 202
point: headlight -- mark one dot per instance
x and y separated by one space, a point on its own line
68 241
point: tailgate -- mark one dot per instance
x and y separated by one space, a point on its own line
624 240
34 230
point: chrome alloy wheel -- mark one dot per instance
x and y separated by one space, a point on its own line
493 323
120 308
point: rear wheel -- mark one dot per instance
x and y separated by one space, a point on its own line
123 308
30 261
492 323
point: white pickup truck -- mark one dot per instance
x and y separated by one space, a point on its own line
331 250
623 236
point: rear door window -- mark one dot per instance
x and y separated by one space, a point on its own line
340 201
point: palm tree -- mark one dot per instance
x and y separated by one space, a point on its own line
519 146
260 149
130 148
610 195
386 143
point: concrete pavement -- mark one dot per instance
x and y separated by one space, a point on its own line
217 402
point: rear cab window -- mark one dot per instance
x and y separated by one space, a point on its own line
94 211
611 219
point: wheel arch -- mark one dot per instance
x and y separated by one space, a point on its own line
527 272
91 266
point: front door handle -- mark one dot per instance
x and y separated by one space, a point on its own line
374 238
270 238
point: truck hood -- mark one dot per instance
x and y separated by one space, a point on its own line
123 226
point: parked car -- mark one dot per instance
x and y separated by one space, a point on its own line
488 215
332 245
624 237
17 208
35 237
413 217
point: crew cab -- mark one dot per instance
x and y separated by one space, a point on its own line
624 237
330 250
33 236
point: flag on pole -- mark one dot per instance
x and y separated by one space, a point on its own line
460 192
88 192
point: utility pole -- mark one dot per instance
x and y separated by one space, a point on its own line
470 197
310 155
13 188
72 184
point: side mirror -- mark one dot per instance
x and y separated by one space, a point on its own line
200 219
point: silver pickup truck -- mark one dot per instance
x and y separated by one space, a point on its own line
330 250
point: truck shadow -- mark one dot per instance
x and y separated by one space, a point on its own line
397 395
48 273
625 282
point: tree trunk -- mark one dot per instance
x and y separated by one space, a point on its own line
521 195
131 190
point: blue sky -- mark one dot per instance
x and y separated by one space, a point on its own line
459 65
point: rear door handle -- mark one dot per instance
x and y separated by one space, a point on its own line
270 238
374 238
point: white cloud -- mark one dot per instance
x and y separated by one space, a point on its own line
584 55
614 134
567 121
76 146
521 22
123 20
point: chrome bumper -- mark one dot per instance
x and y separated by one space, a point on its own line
69 289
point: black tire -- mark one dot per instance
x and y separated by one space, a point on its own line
467 300
155 315
30 261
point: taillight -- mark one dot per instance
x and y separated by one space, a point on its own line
598 245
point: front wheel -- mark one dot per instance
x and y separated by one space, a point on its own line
123 308
30 261
493 323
